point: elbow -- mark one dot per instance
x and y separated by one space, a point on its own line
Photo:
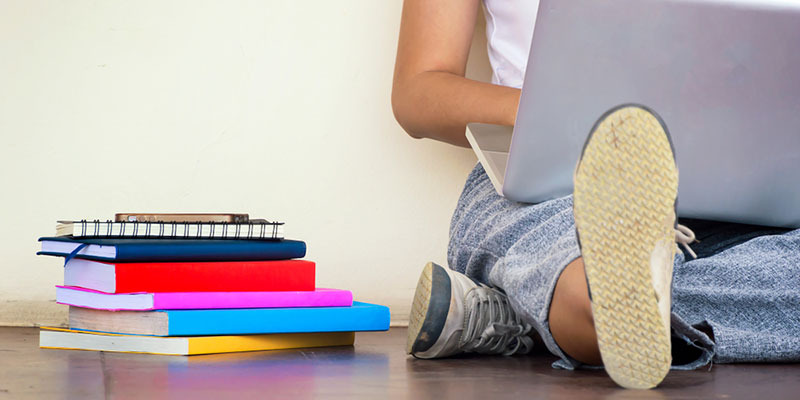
403 110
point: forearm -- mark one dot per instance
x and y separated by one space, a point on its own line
438 105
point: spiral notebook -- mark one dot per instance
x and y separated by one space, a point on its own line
255 229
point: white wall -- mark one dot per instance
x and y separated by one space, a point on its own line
276 108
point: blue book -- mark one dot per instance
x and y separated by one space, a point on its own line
358 317
171 250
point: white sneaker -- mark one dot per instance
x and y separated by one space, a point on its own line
453 314
626 187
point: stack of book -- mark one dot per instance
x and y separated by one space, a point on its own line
195 284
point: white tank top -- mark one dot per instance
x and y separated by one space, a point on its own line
509 28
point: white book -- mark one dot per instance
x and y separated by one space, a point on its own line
58 338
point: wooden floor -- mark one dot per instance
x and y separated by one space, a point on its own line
375 368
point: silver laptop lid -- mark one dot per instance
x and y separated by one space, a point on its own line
724 76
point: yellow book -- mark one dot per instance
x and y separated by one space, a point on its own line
60 338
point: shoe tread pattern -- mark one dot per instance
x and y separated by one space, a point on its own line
419 307
625 191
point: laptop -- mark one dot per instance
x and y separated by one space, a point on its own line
724 75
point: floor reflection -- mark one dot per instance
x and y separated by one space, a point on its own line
305 373
377 367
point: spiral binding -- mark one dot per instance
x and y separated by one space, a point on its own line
217 230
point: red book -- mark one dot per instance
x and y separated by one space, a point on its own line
217 276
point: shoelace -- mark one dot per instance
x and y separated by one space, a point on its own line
684 236
491 326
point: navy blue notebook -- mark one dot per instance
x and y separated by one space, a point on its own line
172 250
243 321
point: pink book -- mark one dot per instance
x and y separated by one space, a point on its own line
88 298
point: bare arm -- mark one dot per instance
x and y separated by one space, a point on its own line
431 98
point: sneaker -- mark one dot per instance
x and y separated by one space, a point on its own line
453 314
626 187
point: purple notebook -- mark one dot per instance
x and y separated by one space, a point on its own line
87 298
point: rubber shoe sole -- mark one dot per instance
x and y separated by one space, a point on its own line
429 309
624 205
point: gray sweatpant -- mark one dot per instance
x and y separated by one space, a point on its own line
745 285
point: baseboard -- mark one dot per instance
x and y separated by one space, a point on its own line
32 313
